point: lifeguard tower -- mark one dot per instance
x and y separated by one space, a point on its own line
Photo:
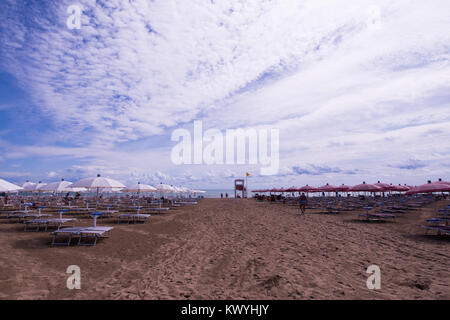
239 186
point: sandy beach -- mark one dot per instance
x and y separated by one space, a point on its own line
222 249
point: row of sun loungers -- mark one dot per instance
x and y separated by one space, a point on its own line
40 218
84 235
441 223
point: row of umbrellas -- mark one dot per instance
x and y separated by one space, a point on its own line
437 186
99 183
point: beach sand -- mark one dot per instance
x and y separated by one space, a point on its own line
221 249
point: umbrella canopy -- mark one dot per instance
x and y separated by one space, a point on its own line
164 188
429 187
178 189
328 188
364 187
307 189
343 188
440 181
184 190
28 184
399 188
291 189
384 186
97 183
60 186
198 191
139 187
6 186
35 187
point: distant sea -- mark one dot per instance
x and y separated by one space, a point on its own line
215 193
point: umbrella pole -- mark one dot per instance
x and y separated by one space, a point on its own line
96 200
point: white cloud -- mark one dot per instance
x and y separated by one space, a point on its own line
347 89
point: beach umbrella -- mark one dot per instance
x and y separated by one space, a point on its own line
37 187
307 188
184 190
429 188
365 187
328 188
6 186
343 188
399 188
60 186
98 183
139 187
178 189
440 181
384 186
198 191
164 188
28 184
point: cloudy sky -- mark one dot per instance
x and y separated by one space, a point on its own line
359 90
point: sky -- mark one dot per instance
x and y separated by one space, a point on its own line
358 90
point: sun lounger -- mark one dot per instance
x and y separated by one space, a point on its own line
86 233
22 217
441 230
132 217
377 216
156 209
53 222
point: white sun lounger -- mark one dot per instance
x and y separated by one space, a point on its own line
82 233
24 216
38 223
157 209
132 217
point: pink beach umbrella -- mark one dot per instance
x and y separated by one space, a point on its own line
343 188
365 187
384 186
430 187
307 188
291 189
328 188
440 181
399 188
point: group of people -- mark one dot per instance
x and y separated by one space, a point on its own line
226 195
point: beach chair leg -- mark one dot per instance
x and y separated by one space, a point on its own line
64 243
86 243
27 229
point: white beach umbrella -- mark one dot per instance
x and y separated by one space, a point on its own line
37 187
97 183
164 188
60 186
6 186
139 187
27 184
177 189
183 190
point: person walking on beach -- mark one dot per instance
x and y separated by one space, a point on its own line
221 195
226 195
303 203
